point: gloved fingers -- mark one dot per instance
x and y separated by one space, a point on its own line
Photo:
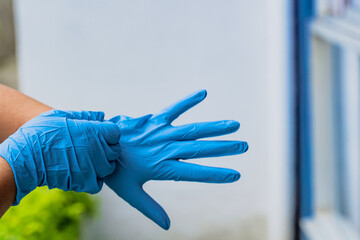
89 115
98 136
172 112
184 171
112 151
109 130
195 131
202 149
116 148
103 169
97 159
82 115
94 116
104 158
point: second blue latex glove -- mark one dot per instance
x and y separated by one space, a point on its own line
151 149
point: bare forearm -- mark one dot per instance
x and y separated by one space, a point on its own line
15 110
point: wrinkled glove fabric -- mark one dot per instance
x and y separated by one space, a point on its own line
62 149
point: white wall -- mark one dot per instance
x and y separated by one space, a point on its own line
135 57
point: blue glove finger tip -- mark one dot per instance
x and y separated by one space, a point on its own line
164 223
233 177
202 94
167 224
236 177
245 147
242 147
233 125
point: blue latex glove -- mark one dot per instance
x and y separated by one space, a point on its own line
151 149
62 150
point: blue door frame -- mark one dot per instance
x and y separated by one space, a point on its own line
303 13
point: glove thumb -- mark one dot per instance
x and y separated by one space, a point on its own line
140 200
133 193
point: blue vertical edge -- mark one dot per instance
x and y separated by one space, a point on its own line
303 14
305 10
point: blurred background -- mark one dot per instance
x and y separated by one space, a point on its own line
288 71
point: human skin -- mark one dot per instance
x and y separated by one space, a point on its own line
15 110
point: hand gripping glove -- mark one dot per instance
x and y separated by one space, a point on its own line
151 149
62 149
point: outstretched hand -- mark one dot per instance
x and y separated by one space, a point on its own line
150 149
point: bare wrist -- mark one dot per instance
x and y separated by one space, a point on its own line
7 186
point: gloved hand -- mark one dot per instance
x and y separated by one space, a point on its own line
62 149
151 149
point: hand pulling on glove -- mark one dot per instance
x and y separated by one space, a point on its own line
78 151
67 150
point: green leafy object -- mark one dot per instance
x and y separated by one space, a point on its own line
48 214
